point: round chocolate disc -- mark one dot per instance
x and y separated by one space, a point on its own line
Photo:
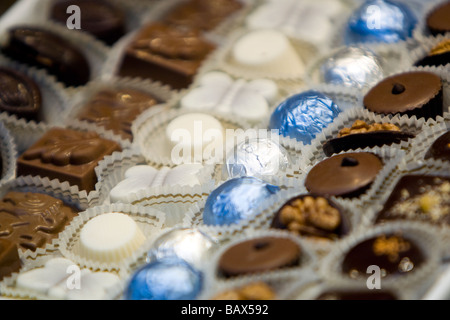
438 21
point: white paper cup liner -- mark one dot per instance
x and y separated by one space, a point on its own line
8 155
149 220
9 288
306 266
69 195
95 51
424 238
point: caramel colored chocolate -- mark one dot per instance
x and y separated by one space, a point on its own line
423 198
19 94
393 253
417 93
440 149
9 258
100 18
202 14
346 175
166 53
438 21
253 291
32 220
66 155
312 216
44 49
259 255
116 109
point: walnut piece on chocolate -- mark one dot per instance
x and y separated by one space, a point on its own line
360 126
33 220
66 155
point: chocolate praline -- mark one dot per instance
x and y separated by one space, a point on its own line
415 93
10 261
438 55
437 20
316 223
346 175
100 18
357 295
395 254
440 149
19 94
45 49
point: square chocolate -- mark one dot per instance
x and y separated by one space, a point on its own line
166 53
66 155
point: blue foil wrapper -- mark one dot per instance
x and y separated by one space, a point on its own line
236 200
188 244
257 157
304 115
167 279
380 21
352 67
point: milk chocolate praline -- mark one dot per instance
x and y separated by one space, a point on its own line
438 21
440 149
416 93
347 175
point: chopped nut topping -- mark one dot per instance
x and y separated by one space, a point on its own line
391 247
252 291
309 213
427 202
360 126
441 48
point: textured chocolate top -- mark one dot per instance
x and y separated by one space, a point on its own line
344 174
32 220
259 255
19 94
67 155
393 253
45 49
403 92
100 18
438 20
440 149
202 14
116 109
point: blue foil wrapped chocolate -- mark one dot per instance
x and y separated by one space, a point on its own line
165 279
257 157
352 67
188 244
304 115
383 21
236 200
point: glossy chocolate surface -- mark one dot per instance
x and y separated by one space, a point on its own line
44 49
116 109
100 18
346 175
438 21
166 53
394 254
19 94
66 155
32 220
364 140
315 222
9 258
202 14
416 93
440 149
419 197
259 255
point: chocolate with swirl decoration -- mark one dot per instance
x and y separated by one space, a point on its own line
66 155
32 220
165 53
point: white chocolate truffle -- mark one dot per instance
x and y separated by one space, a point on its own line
219 92
194 135
142 177
267 51
110 237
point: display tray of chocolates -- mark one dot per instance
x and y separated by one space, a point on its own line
224 149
